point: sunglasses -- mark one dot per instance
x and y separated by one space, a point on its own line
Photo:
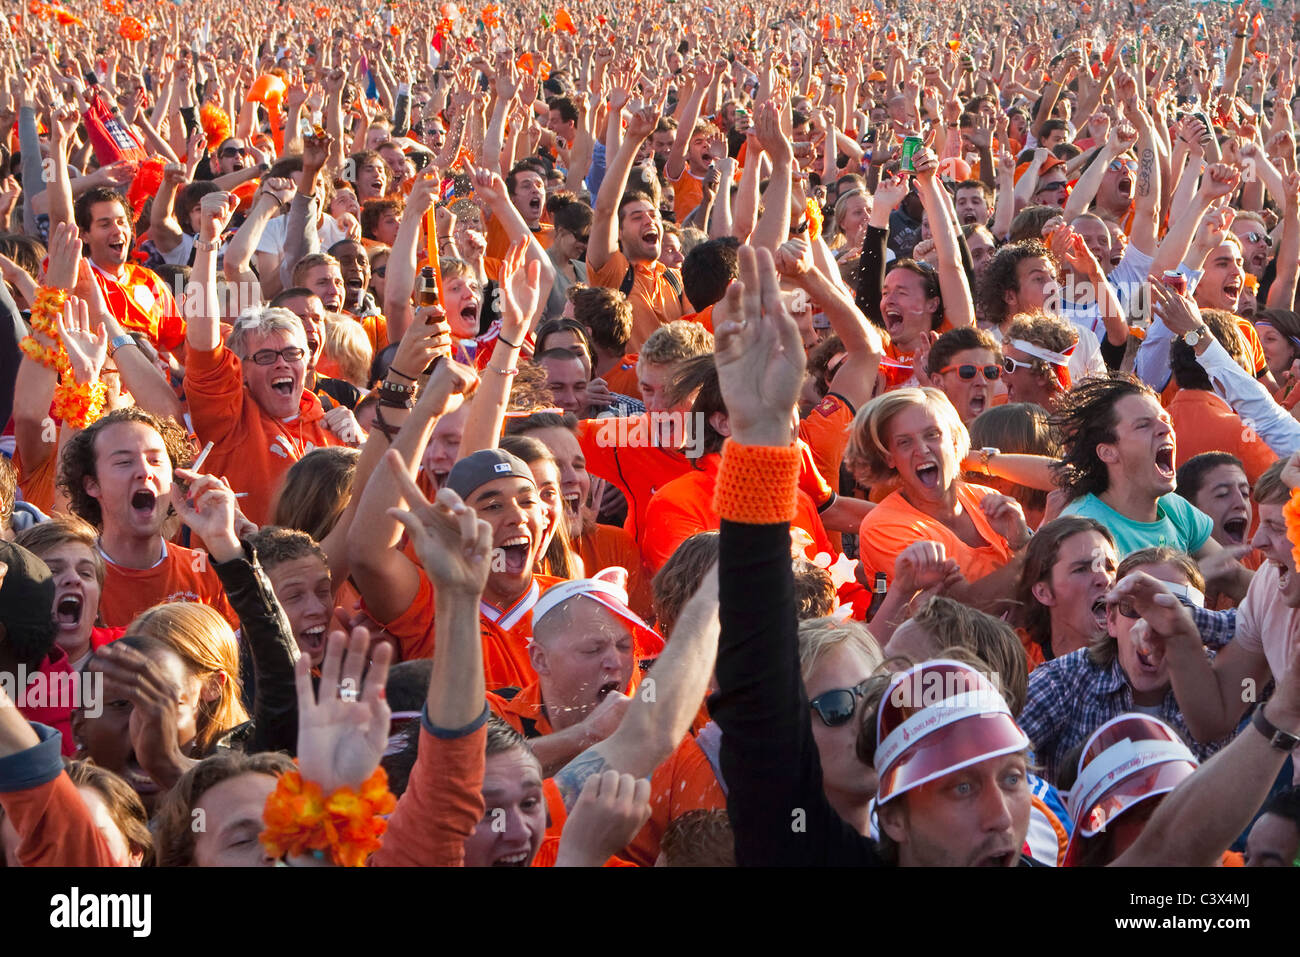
837 706
266 357
1011 365
1118 164
1053 187
584 238
968 372
1254 237
230 152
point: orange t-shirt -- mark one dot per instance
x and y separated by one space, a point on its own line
141 302
498 243
526 705
505 633
251 449
376 330
653 298
37 485
704 317
182 574
685 506
826 431
621 451
688 192
684 782
604 546
1033 650
894 524
623 378
1203 422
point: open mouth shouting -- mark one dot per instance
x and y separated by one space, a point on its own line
144 503
1099 615
1284 573
1232 289
513 554
1125 186
1235 528
311 642
1165 462
976 403
68 609
1000 858
573 510
283 385
893 321
606 689
928 474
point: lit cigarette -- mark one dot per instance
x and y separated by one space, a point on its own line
198 463
241 495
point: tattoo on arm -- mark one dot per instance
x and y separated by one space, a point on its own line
1145 165
570 778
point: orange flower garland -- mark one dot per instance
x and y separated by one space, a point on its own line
1291 515
78 405
300 818
45 310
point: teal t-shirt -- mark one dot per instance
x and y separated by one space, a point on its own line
1180 524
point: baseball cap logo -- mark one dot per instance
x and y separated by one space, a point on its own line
501 467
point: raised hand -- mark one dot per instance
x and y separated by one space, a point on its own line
155 711
85 342
64 256
609 812
453 543
759 354
342 736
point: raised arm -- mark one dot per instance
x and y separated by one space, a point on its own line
958 303
603 239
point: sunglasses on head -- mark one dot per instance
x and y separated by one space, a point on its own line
967 371
837 706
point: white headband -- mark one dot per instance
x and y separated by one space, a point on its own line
1038 352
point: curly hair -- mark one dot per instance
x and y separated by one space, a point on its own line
1000 276
78 460
1085 418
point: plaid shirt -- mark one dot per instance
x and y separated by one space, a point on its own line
1070 697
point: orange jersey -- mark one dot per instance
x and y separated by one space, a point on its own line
826 432
688 192
1203 422
704 317
623 378
653 298
141 302
505 633
498 243
684 782
524 712
1254 347
182 574
251 449
685 506
894 524
623 453
605 546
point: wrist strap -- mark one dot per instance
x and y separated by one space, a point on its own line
757 484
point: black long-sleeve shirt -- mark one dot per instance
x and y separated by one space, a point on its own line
779 812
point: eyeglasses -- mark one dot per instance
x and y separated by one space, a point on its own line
837 706
1011 365
266 357
968 372
1118 164
1253 237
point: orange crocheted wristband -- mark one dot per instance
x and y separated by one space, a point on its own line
757 484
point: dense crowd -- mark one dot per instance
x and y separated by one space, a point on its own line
623 434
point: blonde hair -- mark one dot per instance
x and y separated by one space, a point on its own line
347 346
817 636
203 640
867 437
674 342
